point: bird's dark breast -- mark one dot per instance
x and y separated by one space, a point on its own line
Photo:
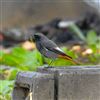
39 46
45 52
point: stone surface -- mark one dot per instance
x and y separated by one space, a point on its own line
76 82
20 93
67 83
41 86
79 84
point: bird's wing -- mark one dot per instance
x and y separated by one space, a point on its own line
50 45
60 52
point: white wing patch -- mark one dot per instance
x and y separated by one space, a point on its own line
57 48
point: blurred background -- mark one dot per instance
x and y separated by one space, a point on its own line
74 25
32 12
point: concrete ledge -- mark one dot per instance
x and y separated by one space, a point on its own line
79 84
61 83
41 86
76 82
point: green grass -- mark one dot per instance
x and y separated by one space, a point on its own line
6 87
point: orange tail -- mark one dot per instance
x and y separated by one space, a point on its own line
68 58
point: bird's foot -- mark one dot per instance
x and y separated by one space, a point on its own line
47 66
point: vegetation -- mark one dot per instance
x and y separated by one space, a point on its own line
20 59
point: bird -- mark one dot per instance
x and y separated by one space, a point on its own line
50 49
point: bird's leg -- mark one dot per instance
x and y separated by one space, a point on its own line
48 66
51 62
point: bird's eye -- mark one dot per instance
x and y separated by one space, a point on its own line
37 36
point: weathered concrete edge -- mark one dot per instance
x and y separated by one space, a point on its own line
53 69
59 71
25 82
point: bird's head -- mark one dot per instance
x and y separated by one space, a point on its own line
38 36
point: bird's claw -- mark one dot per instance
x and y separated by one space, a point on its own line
47 66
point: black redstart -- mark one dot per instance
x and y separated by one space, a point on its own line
49 49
